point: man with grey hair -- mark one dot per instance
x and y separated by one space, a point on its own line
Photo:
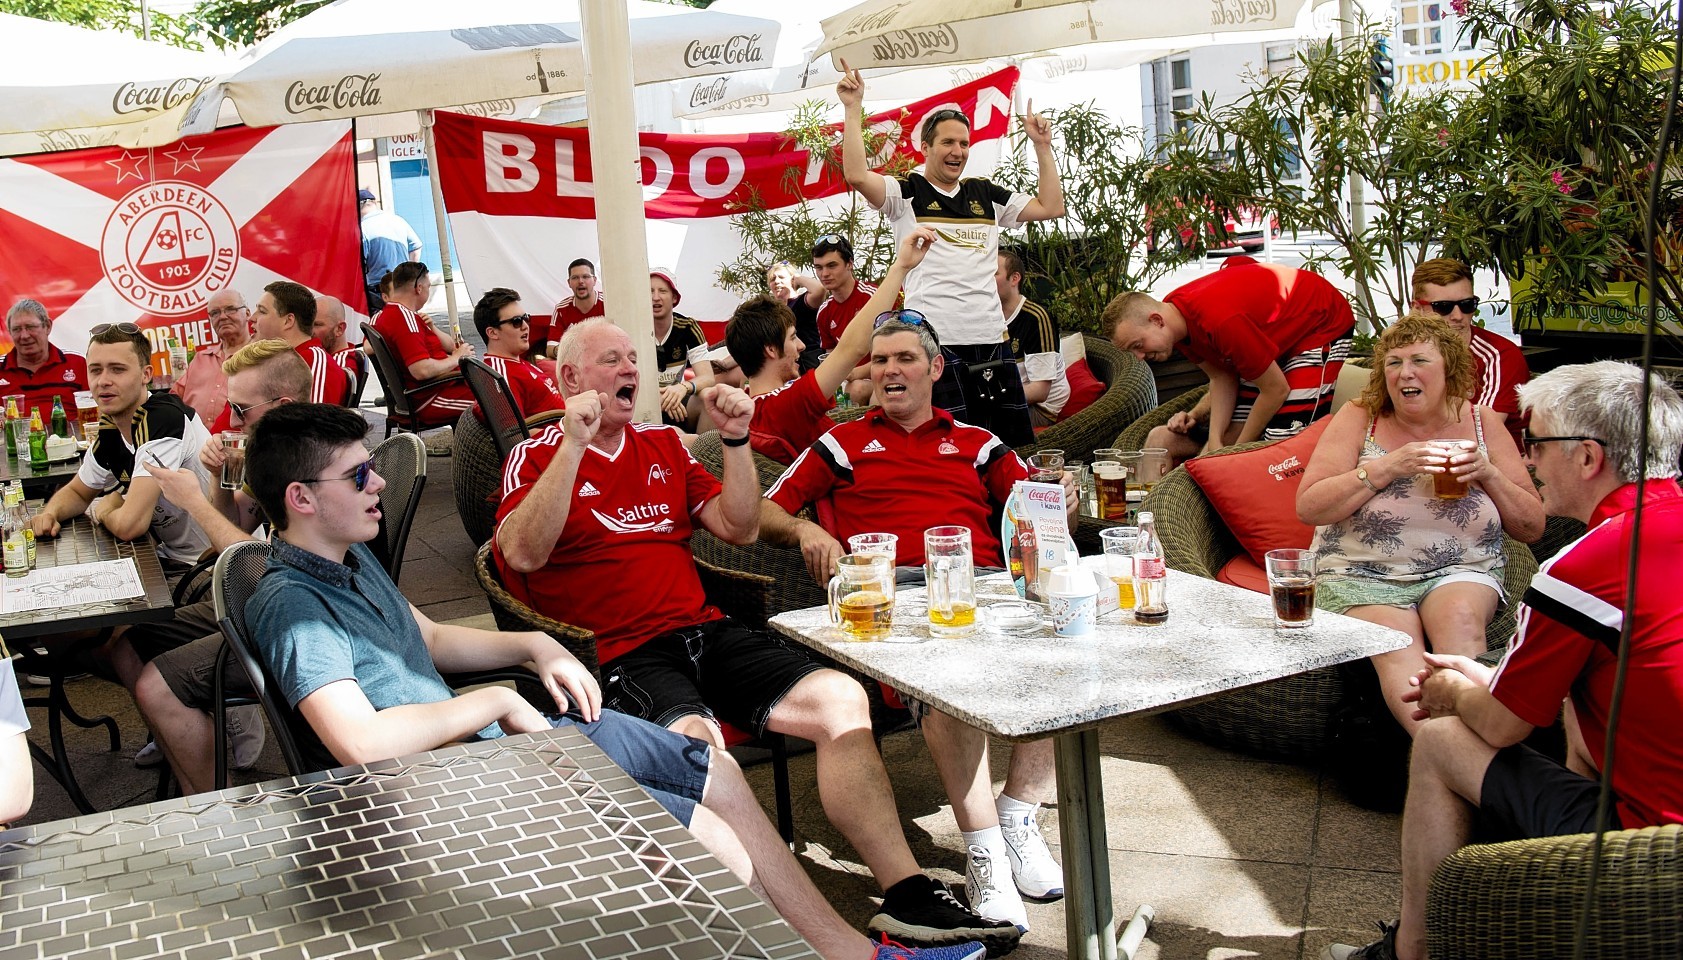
204 386
36 368
1468 762
892 471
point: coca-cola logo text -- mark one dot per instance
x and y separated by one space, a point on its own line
749 102
740 49
873 22
1289 467
914 44
706 93
348 92
1230 13
132 97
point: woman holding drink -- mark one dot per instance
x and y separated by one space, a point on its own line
1410 494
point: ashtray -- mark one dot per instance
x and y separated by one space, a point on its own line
1015 618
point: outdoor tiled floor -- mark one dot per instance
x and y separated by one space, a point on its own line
1240 857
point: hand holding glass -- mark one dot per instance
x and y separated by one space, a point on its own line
233 463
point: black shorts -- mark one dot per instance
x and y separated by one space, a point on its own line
1526 794
720 670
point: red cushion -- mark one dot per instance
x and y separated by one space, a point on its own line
1255 491
1242 571
1083 389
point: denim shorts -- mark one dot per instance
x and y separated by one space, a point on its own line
670 766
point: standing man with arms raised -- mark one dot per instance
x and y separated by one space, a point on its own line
954 286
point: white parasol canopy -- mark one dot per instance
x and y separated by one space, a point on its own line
886 33
66 87
366 58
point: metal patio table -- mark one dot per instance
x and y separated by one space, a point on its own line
527 846
1218 638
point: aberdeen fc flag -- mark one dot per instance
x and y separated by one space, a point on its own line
108 235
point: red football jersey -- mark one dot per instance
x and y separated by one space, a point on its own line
1248 315
789 419
880 479
328 381
834 315
534 391
622 566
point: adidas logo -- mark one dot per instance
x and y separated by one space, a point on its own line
589 490
874 447
934 205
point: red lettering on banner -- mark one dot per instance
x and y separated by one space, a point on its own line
507 168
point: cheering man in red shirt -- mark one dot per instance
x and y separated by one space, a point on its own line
900 469
789 412
1468 756
594 530
1270 338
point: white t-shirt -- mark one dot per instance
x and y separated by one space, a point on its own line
953 287
13 719
170 433
1034 339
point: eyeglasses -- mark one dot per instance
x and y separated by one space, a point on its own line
519 320
219 311
124 327
28 328
358 476
244 413
1528 441
1444 308
911 318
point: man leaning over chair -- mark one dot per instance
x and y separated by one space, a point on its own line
361 666
1469 763
901 468
594 530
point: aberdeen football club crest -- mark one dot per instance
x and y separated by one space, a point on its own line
168 246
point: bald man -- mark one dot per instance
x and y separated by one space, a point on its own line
204 386
330 330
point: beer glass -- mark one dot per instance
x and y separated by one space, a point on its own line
87 414
1046 467
877 545
1119 546
233 463
1444 485
951 579
1153 466
1110 479
1291 582
861 598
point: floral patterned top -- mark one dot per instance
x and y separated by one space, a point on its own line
1404 534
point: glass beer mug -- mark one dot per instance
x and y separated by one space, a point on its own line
862 596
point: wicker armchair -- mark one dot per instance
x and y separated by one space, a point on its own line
477 476
1520 900
1129 393
1289 717
1133 438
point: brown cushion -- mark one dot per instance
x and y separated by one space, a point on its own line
1255 491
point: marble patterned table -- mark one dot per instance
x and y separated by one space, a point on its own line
529 846
1218 638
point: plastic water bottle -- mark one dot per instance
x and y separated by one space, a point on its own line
1151 574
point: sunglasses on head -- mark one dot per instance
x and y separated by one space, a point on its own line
1444 308
358 476
911 318
124 327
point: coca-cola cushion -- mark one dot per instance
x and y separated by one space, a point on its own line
1084 388
1255 491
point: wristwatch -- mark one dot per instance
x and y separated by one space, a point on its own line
1361 474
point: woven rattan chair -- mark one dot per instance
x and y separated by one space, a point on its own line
1289 717
401 461
1522 900
1129 393
400 400
733 593
477 477
496 404
1133 436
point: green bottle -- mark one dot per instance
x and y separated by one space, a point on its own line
61 423
11 434
37 440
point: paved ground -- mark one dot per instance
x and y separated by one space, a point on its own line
1240 857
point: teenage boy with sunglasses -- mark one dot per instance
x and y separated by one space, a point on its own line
1445 287
1270 338
901 468
361 666
789 406
506 328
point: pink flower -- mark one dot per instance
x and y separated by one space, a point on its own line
1443 136
1459 6
1560 182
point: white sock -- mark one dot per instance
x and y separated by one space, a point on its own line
991 839
1015 812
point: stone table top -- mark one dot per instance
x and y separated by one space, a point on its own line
1218 638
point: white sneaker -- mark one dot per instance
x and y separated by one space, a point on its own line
149 755
988 897
1038 876
247 733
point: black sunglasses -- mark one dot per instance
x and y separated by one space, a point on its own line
519 320
1444 308
911 318
244 413
1528 441
124 327
358 477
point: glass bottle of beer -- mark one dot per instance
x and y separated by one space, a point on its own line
25 517
1151 574
37 439
61 423
12 414
15 549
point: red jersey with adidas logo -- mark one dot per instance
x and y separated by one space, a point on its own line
880 479
622 566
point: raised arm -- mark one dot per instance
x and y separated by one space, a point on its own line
855 343
1048 202
855 166
734 515
528 534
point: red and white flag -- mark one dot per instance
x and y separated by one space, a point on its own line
522 205
108 235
